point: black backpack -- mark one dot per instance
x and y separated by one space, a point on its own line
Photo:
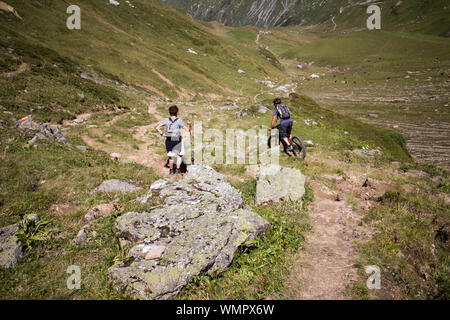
284 111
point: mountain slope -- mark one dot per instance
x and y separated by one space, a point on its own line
426 16
150 41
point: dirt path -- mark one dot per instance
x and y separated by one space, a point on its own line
22 68
149 144
324 268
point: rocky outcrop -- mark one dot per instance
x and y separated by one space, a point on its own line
201 224
10 248
41 131
115 186
275 183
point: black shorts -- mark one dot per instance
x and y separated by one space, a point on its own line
286 128
174 146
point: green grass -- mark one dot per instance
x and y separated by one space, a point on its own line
409 246
32 180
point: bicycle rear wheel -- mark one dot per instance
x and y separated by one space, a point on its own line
299 147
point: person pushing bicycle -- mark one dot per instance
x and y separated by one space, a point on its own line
282 111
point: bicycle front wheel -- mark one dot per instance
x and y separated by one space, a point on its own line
299 147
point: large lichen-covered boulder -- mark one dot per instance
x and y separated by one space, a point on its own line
275 184
10 249
199 228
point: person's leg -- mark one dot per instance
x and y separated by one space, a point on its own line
288 134
284 134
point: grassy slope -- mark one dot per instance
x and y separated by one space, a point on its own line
158 38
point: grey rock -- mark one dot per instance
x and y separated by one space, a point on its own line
32 217
10 248
42 131
275 184
368 153
82 148
99 211
262 108
90 78
243 113
201 224
126 161
82 236
115 186
373 115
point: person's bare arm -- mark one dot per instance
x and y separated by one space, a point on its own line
188 127
158 128
274 120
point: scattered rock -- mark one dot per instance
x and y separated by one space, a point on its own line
82 236
261 108
241 71
34 218
275 184
373 115
229 106
367 153
267 83
10 248
126 161
79 121
41 131
90 78
243 113
115 186
99 211
116 155
283 88
310 122
82 148
201 224
192 52
315 76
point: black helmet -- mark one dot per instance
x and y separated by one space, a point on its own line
277 101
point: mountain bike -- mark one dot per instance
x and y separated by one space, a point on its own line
299 149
